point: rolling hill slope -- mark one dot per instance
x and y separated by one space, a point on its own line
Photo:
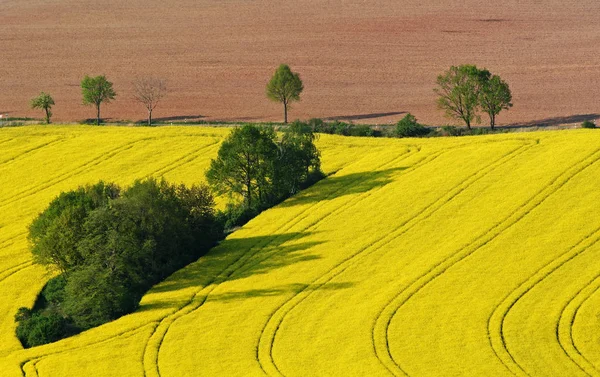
417 257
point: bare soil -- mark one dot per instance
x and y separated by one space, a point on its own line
361 61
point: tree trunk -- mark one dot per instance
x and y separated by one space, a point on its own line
149 117
492 121
468 122
47 115
97 114
285 112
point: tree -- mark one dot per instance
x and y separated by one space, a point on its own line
494 95
285 86
44 101
111 247
95 91
298 159
149 91
54 235
459 92
245 164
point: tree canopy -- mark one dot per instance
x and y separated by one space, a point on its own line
43 101
97 90
255 167
285 87
464 90
494 95
111 246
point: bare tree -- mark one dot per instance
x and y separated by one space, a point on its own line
149 91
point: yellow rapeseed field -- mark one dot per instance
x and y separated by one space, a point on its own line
471 256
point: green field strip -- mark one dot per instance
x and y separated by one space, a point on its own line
202 295
381 327
340 268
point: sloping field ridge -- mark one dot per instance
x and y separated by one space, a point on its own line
472 256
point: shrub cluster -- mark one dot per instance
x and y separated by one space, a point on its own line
339 128
588 124
408 127
111 246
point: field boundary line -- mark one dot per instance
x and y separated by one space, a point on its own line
384 319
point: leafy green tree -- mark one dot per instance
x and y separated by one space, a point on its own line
298 159
458 90
285 86
494 95
95 91
43 101
56 232
111 247
245 164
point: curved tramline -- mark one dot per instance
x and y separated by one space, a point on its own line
414 257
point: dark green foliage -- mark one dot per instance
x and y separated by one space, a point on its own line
451 131
98 295
244 165
54 291
458 91
588 124
259 171
236 215
465 89
112 247
408 127
55 233
340 128
494 95
36 329
285 86
43 101
95 91
298 157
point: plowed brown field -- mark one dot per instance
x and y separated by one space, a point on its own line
366 61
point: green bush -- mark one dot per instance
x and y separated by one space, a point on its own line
408 127
36 329
115 246
588 124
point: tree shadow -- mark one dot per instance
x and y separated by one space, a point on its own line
336 186
555 121
363 116
266 253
